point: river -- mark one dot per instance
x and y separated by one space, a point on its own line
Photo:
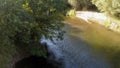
87 46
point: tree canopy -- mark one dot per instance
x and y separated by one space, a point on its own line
82 4
110 7
25 22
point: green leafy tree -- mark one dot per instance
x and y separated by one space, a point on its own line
82 4
110 7
23 23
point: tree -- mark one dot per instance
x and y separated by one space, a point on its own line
82 4
109 7
25 22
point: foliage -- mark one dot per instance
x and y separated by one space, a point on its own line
107 23
71 13
82 4
25 22
110 7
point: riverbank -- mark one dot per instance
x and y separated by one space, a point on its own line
100 18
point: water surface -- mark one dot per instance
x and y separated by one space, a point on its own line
87 46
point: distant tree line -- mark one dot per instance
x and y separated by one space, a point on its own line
82 4
110 7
